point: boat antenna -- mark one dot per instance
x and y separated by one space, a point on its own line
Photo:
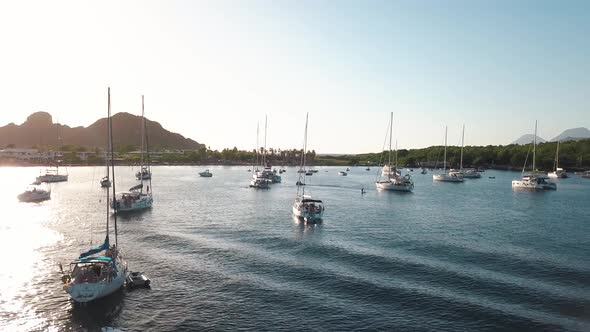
112 166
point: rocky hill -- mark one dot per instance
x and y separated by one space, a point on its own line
572 134
39 130
527 139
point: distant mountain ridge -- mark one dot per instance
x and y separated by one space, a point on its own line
527 139
572 134
39 130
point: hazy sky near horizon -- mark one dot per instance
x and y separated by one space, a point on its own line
211 69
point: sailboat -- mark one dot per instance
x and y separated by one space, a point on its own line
257 181
52 173
304 206
558 172
105 182
451 176
145 173
267 173
468 173
93 276
394 180
137 198
533 180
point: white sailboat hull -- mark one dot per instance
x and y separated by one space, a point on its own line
393 186
52 178
447 178
90 291
145 201
532 185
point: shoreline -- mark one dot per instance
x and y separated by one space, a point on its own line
21 164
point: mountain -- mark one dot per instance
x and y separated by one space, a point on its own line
528 138
572 134
39 130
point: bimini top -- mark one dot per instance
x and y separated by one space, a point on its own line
94 259
309 200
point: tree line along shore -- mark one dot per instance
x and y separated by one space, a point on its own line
573 155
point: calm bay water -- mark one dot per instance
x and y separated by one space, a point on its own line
449 257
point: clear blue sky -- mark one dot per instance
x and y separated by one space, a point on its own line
211 69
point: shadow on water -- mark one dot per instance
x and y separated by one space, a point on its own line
139 215
99 313
306 229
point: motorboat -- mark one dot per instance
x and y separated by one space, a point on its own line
424 171
342 173
585 174
34 194
367 169
348 169
137 279
206 174
533 180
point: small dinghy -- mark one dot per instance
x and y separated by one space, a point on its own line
137 279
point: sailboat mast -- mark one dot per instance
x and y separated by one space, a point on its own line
462 144
557 157
396 155
112 166
107 152
257 147
534 145
445 157
142 143
390 135
265 128
303 155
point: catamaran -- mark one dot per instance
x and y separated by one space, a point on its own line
558 172
304 206
451 176
393 178
533 180
137 198
94 276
